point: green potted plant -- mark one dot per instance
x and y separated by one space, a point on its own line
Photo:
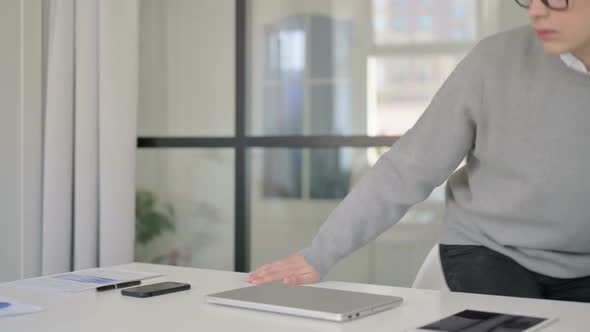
151 218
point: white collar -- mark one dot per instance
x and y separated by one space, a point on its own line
574 63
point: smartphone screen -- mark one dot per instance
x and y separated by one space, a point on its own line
155 289
482 321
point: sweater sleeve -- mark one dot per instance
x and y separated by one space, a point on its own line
417 163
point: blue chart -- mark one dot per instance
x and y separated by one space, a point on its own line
4 305
85 278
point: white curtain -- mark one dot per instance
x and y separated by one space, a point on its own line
90 104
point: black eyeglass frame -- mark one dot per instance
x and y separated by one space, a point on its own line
525 4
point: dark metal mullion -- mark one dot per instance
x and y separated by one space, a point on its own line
186 142
266 141
242 230
319 141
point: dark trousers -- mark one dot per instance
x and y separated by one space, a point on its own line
477 269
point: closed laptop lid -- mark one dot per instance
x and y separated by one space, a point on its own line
307 301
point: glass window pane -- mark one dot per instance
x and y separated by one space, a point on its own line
402 87
282 225
187 68
285 50
184 207
331 109
283 108
330 172
330 47
282 173
308 66
411 22
314 73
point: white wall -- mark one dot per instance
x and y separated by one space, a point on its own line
20 135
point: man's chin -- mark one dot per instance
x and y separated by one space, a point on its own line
554 48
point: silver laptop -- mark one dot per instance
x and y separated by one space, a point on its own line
312 302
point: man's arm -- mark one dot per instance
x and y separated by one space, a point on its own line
405 175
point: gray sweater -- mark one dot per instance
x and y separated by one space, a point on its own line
521 118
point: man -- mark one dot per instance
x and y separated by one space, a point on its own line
518 213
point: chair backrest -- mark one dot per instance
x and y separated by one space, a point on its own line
430 275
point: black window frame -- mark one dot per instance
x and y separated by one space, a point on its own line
241 142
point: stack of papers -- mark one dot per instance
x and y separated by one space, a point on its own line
81 280
12 308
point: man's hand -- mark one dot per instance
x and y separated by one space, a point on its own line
293 270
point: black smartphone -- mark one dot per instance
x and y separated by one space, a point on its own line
155 289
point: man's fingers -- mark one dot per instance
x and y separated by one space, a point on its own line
293 270
300 279
300 274
268 270
268 278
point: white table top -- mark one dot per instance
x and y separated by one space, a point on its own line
187 311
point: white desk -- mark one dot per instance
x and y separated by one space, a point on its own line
187 311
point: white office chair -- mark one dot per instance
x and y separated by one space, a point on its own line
430 275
